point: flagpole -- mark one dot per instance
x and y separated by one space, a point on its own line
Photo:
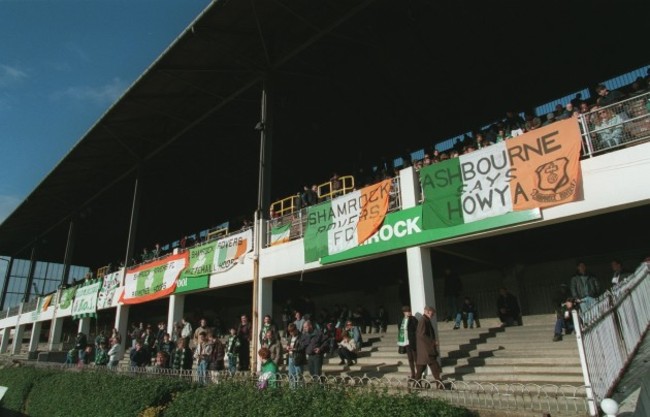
258 222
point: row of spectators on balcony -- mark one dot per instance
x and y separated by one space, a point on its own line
514 125
606 122
511 126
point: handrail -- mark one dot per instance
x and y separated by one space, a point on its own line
326 191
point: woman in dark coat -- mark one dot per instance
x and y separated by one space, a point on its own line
427 345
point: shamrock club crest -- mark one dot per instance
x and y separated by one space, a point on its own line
552 175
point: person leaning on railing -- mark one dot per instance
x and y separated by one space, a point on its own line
609 128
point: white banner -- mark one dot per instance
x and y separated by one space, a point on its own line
107 293
85 300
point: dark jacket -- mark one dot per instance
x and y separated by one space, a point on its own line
426 338
139 357
314 340
510 303
584 286
411 329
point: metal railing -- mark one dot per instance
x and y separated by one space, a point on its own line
616 126
610 331
298 218
547 398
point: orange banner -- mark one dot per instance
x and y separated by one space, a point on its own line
545 165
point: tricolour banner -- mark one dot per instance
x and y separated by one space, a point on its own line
538 169
66 299
153 280
280 234
41 306
220 255
85 300
344 222
107 294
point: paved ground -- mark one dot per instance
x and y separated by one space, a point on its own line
627 391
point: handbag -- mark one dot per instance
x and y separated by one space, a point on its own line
401 350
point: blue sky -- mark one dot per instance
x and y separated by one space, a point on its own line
63 63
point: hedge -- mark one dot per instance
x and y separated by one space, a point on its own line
38 392
237 399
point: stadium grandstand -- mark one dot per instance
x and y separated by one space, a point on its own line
212 148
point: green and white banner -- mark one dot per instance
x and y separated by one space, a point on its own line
153 280
187 284
85 300
345 222
220 255
403 229
66 299
41 306
107 294
280 234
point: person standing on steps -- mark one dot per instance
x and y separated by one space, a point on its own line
427 345
406 339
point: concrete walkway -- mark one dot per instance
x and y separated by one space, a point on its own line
626 393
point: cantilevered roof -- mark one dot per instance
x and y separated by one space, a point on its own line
351 82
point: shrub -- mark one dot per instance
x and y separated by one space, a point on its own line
19 381
231 399
36 392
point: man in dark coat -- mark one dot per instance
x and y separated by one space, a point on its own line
427 345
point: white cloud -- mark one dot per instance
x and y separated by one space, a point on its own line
8 204
103 94
10 75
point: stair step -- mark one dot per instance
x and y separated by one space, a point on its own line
539 379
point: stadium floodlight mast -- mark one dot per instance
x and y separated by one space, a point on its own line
258 223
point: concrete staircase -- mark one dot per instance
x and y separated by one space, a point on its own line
489 354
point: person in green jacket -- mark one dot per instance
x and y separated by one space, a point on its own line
269 369
101 356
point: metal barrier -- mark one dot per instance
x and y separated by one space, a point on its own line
547 398
616 126
610 331
298 218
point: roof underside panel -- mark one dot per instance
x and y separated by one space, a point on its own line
351 83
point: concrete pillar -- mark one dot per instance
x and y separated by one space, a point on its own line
56 329
84 326
175 312
409 187
18 339
418 261
122 322
36 335
5 334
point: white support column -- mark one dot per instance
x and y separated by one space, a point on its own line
56 329
18 339
122 323
4 342
175 312
409 187
36 335
418 261
84 326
